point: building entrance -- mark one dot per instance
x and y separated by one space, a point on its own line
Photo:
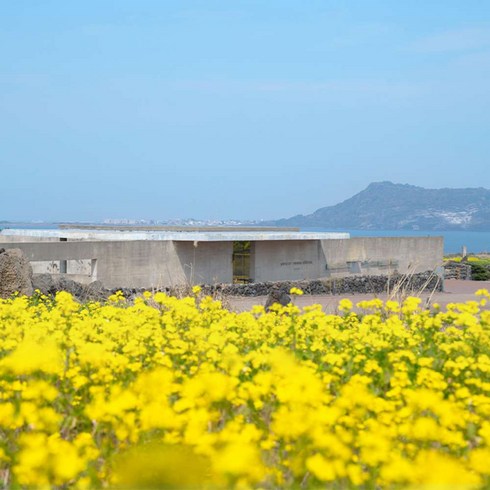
241 262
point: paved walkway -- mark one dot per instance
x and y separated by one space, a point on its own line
455 291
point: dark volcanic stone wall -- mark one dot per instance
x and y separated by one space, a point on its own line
416 283
346 285
457 270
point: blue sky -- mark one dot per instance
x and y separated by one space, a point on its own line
161 109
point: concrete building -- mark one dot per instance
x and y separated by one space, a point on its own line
170 256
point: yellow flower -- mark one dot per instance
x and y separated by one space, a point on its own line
117 297
345 305
31 356
483 292
321 468
242 400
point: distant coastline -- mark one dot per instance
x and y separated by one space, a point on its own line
475 241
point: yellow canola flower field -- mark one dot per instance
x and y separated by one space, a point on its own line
182 393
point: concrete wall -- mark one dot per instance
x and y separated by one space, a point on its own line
17 239
315 259
139 263
156 263
74 268
206 262
283 260
381 255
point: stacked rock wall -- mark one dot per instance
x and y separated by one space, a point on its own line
457 270
15 273
347 285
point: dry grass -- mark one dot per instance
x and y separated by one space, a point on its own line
403 288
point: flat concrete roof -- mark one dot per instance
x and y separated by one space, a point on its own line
186 229
177 236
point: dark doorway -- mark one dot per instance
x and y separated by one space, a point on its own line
241 262
63 263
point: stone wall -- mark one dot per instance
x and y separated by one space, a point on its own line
457 270
426 281
416 283
15 273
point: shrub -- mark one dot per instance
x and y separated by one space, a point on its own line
479 272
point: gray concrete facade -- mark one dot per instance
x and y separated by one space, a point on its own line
382 255
316 259
287 260
123 260
137 264
244 234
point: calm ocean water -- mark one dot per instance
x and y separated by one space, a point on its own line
475 241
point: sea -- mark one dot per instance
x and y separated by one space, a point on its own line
454 241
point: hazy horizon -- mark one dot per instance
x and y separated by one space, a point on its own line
118 219
245 110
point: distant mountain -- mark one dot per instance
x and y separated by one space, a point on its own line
388 206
